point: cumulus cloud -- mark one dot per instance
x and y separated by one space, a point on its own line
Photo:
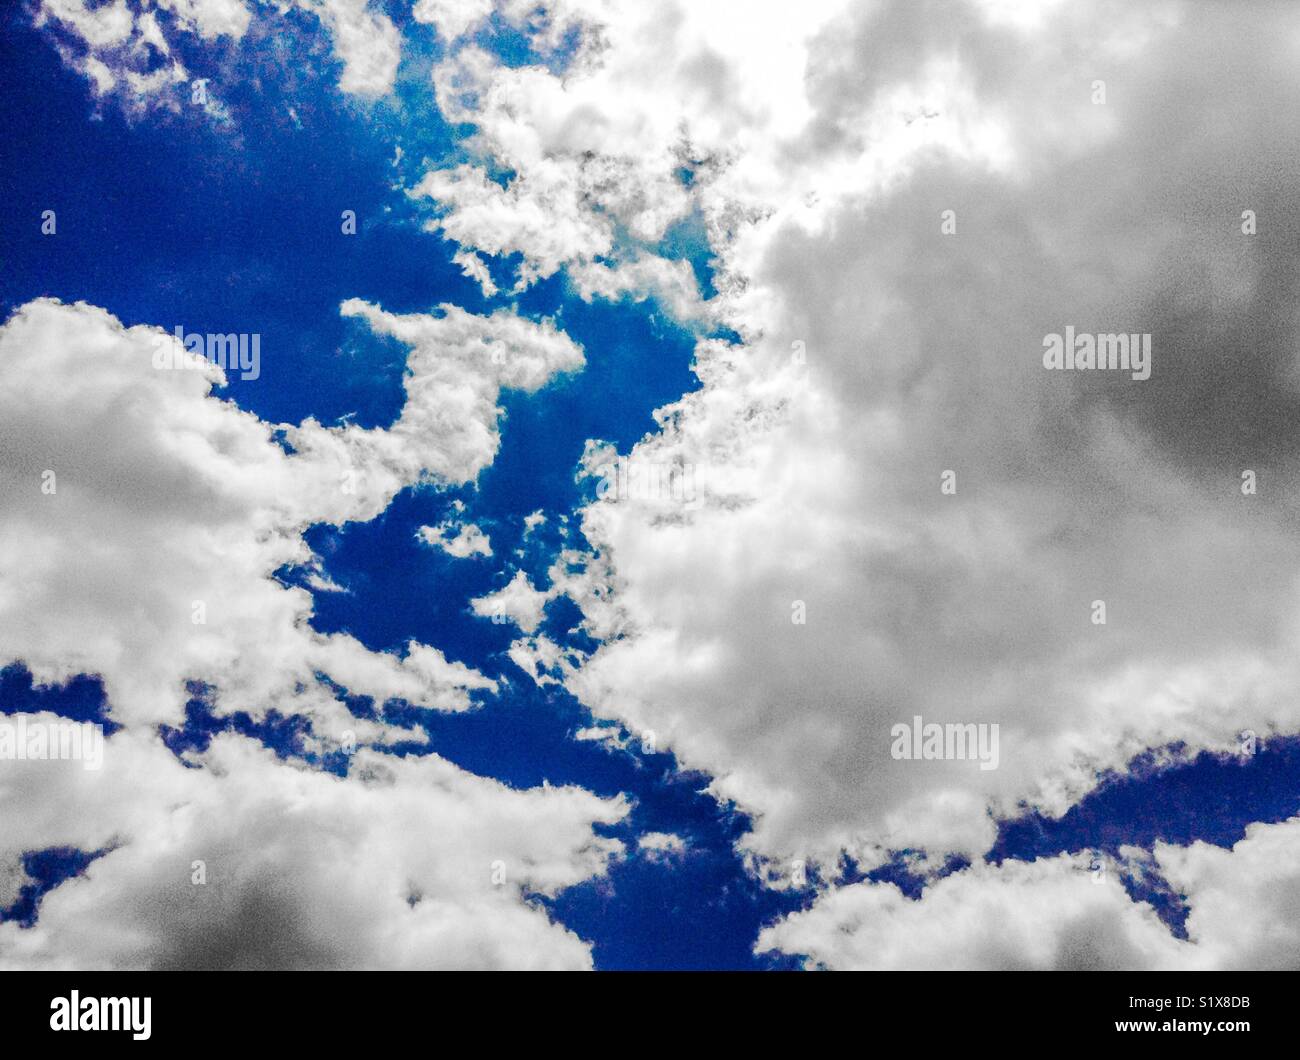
365 40
136 492
453 18
252 863
590 187
463 541
516 601
144 520
1067 913
458 365
827 588
901 200
208 18
1244 900
99 27
1048 915
883 353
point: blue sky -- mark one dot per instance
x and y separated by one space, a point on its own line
174 218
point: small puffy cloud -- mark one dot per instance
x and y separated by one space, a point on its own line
661 846
476 269
100 27
458 365
516 601
209 18
545 224
113 48
461 542
365 40
587 190
453 18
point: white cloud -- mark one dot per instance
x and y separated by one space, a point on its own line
823 479
99 27
1062 913
878 352
661 846
180 507
120 41
208 18
461 542
1046 915
454 18
408 863
517 601
366 41
589 184
1244 900
543 223
476 269
121 44
136 502
150 35
458 365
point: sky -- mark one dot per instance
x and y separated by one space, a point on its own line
649 419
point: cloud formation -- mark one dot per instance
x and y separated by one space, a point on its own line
406 863
902 201
144 521
1067 913
902 513
128 51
